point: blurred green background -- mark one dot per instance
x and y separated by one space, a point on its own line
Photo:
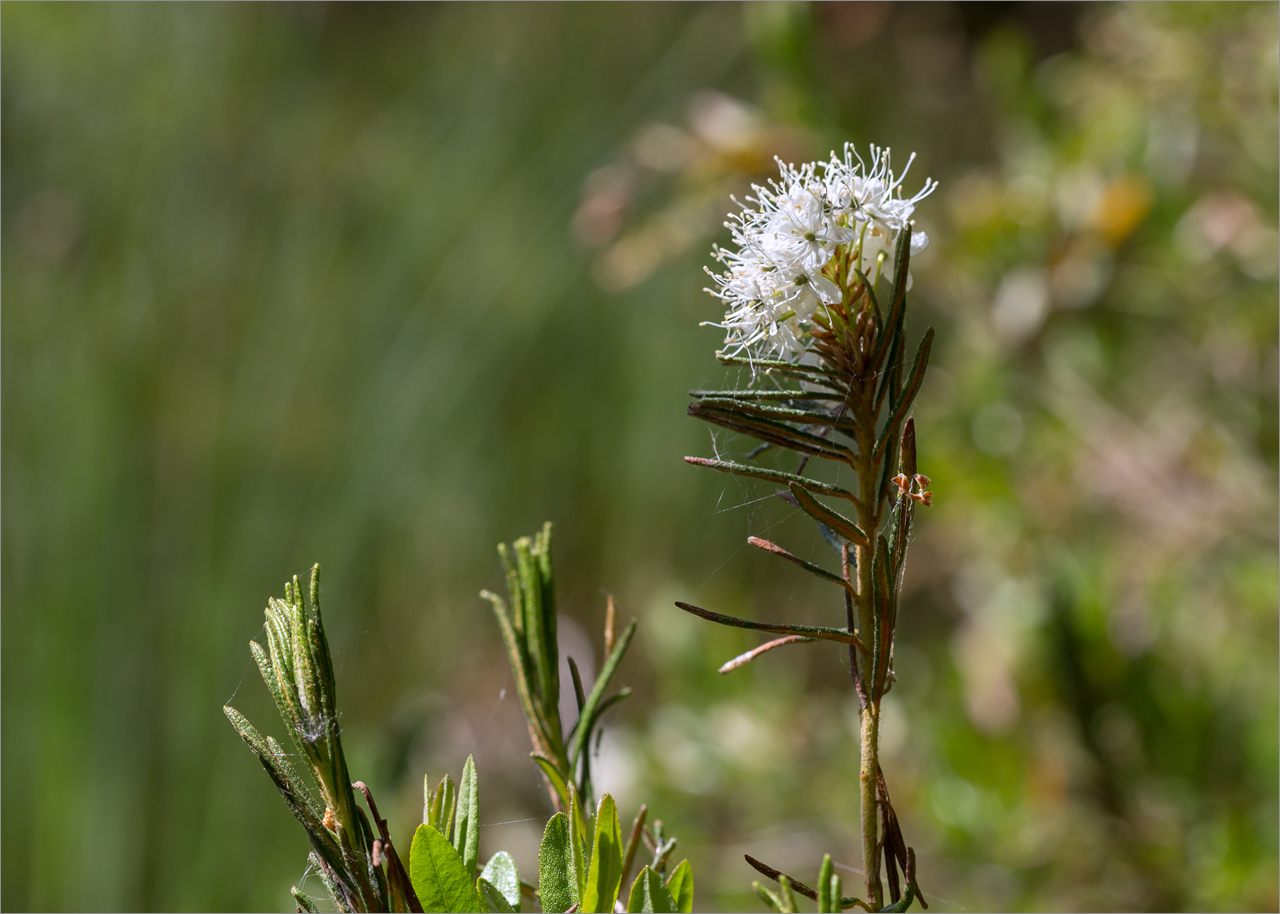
380 286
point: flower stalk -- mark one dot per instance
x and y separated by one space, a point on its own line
833 383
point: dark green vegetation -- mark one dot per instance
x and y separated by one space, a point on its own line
296 283
582 862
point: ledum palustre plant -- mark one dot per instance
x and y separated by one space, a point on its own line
583 861
816 295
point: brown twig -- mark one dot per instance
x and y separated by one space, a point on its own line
744 659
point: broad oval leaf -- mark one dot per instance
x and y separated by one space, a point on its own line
500 872
438 876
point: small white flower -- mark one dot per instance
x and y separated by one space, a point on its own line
787 237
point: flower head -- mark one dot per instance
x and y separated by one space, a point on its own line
798 237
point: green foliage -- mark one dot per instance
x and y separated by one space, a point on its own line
466 834
528 627
493 900
439 876
557 870
680 885
500 874
650 895
360 869
237 246
604 877
860 354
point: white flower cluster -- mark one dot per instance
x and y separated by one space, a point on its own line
788 236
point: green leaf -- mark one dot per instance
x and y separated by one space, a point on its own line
898 302
500 872
442 806
769 898
557 884
778 433
812 416
466 829
827 904
786 394
577 841
492 901
649 895
833 519
440 880
304 901
512 637
604 877
680 885
553 774
788 896
914 380
587 719
745 469
820 632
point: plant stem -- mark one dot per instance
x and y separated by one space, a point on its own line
869 519
867 777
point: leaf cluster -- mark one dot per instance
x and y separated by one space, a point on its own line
527 620
583 864
359 867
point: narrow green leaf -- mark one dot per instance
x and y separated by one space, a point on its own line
649 895
500 872
774 432
577 845
438 876
442 806
554 775
914 380
827 904
824 515
811 416
580 735
743 469
426 799
680 885
769 898
820 632
303 901
466 829
898 303
604 876
557 884
516 657
810 372
750 394
788 896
